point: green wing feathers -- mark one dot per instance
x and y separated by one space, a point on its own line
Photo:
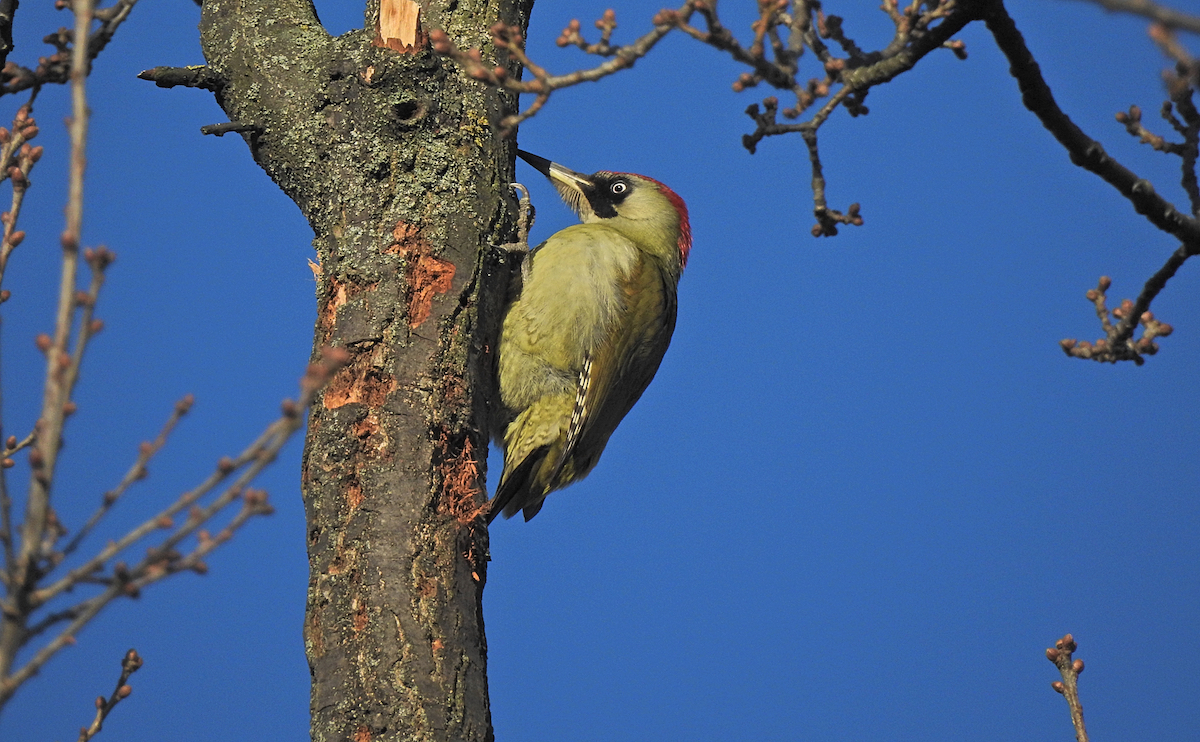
558 439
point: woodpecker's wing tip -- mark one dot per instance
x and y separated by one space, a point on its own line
514 486
531 510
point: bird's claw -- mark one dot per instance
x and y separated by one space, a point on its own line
525 216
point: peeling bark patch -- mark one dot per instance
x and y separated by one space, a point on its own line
354 495
362 734
426 588
426 275
316 638
365 428
399 26
337 294
361 383
405 238
371 442
458 472
336 297
360 616
342 557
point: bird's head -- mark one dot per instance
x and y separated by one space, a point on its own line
645 210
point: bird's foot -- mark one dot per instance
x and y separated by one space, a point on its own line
525 216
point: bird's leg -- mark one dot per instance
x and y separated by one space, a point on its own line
525 217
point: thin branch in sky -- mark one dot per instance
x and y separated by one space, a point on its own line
509 38
845 81
1060 655
61 366
1168 17
1117 343
163 559
17 159
56 68
1085 152
136 472
130 664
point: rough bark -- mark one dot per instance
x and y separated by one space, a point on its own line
390 156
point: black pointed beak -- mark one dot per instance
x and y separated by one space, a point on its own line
571 185
541 164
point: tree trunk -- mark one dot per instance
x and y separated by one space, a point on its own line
390 156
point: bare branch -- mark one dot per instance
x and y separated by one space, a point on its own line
58 362
162 560
1118 345
920 28
130 664
1060 655
57 68
138 471
1158 13
1084 151
196 76
543 84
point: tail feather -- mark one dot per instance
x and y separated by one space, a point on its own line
514 492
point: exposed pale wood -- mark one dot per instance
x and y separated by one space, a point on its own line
399 25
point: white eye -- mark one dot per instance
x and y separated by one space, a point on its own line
618 188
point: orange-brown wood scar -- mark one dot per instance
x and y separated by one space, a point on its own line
359 382
459 472
354 495
337 295
365 428
427 275
360 616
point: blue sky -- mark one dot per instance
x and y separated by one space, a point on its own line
864 493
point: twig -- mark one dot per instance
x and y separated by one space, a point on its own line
1084 151
230 127
1060 655
57 68
196 76
161 560
1155 12
509 38
146 451
1180 83
17 159
1118 344
57 391
130 664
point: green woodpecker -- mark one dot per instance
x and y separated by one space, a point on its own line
585 336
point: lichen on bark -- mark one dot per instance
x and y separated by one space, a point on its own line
393 161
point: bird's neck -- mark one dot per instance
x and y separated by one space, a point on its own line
656 238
